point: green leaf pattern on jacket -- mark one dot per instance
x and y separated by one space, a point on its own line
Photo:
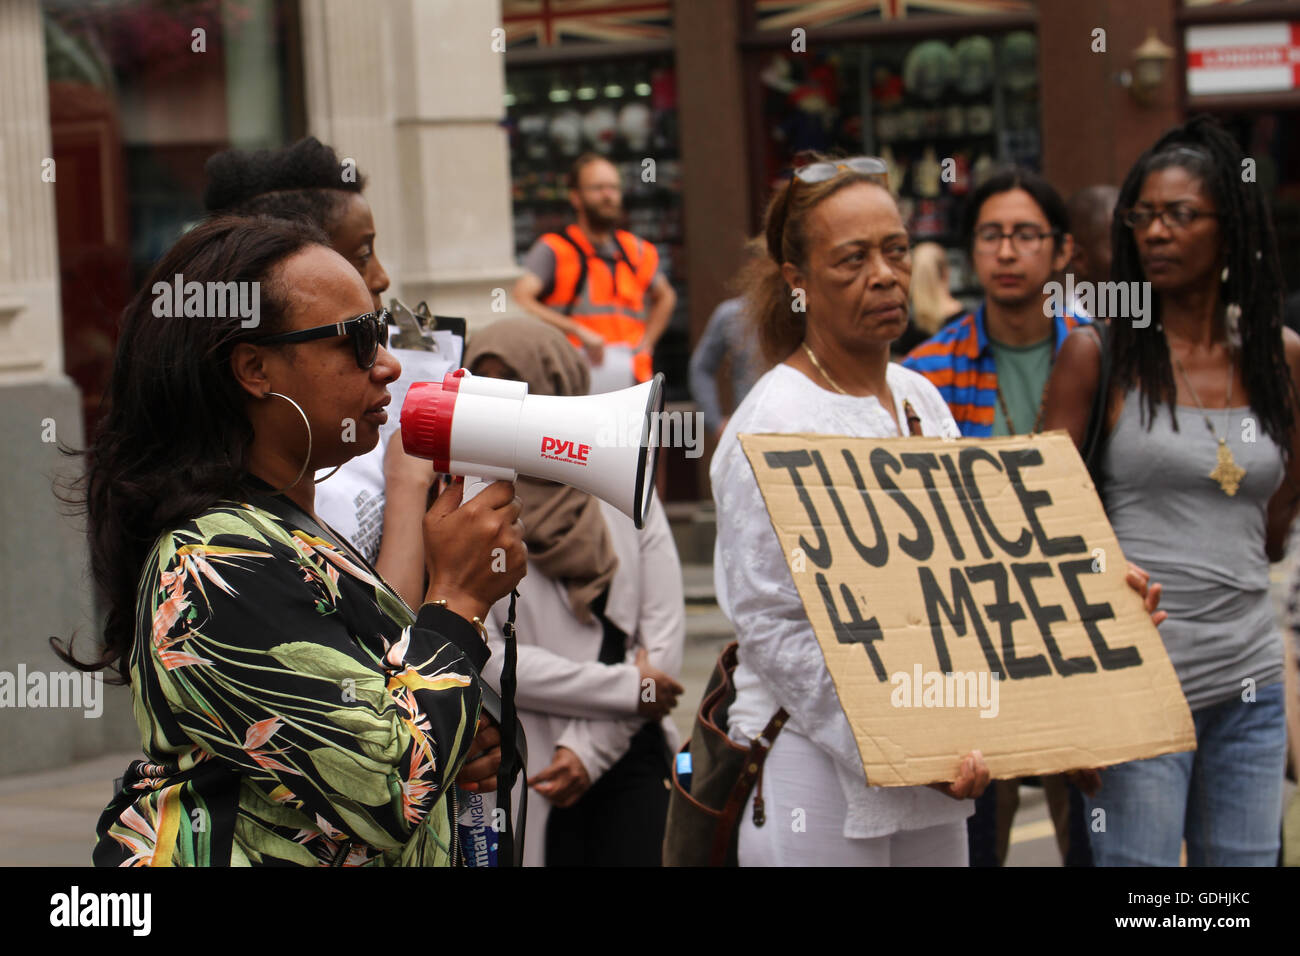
289 710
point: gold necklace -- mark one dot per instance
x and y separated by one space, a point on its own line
835 385
1226 470
818 365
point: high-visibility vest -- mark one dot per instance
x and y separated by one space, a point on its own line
614 300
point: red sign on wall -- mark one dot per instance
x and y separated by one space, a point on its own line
1243 58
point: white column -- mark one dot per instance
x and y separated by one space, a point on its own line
413 90
31 343
347 64
45 589
454 156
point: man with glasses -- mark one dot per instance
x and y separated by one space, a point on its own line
600 285
992 368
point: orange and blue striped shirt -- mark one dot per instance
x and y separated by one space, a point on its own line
958 361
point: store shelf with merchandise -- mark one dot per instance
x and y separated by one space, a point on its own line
624 110
943 114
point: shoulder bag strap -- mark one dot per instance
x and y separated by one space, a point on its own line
751 772
1095 436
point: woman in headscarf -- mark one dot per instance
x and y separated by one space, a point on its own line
601 622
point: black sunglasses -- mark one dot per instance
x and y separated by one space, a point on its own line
367 332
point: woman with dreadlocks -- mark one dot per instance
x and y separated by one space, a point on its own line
1200 478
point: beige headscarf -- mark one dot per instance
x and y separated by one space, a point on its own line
564 530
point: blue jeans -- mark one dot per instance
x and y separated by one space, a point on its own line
1225 797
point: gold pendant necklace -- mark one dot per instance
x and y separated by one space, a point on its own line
1226 470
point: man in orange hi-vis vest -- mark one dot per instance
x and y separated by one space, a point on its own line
600 285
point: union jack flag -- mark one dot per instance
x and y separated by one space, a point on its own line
556 22
786 14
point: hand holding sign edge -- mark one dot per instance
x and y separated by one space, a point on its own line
972 780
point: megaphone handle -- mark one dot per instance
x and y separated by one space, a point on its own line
473 486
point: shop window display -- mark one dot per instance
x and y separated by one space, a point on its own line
942 113
141 93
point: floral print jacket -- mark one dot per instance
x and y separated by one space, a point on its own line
292 708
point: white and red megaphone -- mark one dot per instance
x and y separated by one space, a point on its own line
490 428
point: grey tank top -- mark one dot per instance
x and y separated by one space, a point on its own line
1205 547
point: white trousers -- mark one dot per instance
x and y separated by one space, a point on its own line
805 811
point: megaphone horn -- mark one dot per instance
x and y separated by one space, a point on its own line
492 428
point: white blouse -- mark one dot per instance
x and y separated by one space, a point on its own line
780 662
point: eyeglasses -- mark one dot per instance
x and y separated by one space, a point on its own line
367 332
867 165
1173 216
1025 239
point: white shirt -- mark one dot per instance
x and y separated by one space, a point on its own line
352 500
780 662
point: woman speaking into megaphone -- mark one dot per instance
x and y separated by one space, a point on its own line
293 708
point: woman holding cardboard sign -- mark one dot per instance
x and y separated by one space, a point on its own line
829 295
1205 506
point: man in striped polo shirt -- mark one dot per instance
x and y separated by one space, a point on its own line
992 367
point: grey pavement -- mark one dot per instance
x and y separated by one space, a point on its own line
48 818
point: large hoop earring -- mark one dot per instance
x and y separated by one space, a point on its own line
303 470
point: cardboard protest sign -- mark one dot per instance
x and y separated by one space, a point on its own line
970 594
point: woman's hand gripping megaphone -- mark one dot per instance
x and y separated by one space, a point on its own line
473 543
474 550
